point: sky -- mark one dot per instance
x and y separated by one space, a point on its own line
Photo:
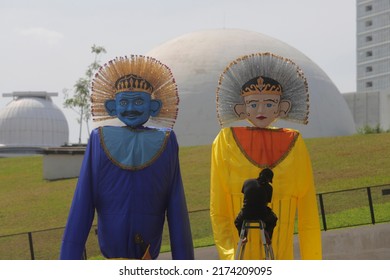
45 45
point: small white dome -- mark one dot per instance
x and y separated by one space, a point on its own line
33 120
197 60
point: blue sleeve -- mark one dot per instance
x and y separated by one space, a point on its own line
82 210
177 213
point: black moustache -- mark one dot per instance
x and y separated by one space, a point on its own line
131 113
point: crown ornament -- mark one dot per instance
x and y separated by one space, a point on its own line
133 83
261 85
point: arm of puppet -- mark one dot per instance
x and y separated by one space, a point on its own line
177 213
82 211
220 204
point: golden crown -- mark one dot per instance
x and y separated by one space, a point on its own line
133 83
261 85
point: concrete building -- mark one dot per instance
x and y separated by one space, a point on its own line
373 45
370 109
370 105
31 119
32 124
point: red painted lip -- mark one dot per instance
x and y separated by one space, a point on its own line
261 117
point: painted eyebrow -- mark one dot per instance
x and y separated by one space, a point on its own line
256 101
130 96
272 100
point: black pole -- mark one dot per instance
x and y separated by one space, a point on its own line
371 206
322 211
30 241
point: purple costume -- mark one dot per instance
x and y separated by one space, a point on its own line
132 178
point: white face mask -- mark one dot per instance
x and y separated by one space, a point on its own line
262 109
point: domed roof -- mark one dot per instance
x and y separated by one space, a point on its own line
197 60
32 119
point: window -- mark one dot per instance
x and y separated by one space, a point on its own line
369 69
368 8
368 84
368 23
368 38
368 53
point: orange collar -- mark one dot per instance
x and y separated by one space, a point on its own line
264 147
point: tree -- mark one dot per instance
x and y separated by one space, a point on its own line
80 99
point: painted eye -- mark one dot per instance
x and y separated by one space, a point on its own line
269 105
139 102
253 105
123 102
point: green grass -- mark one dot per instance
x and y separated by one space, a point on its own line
29 203
358 216
350 161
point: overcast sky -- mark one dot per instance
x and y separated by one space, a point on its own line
45 45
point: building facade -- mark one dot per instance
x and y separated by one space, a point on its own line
31 119
370 105
373 45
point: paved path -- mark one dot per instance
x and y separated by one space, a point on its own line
204 253
370 242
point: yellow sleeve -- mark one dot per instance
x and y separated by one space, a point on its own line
309 231
220 201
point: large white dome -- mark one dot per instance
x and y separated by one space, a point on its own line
32 119
197 60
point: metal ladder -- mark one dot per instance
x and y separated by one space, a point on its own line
253 224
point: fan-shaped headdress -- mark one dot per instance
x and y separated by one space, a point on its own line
256 73
136 73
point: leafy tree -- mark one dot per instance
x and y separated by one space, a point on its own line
79 99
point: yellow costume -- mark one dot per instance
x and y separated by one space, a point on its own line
238 153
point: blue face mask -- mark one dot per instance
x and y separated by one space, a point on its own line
133 108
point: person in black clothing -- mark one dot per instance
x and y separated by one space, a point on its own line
257 194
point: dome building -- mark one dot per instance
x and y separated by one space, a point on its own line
197 60
31 119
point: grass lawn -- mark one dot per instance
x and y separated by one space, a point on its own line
29 203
